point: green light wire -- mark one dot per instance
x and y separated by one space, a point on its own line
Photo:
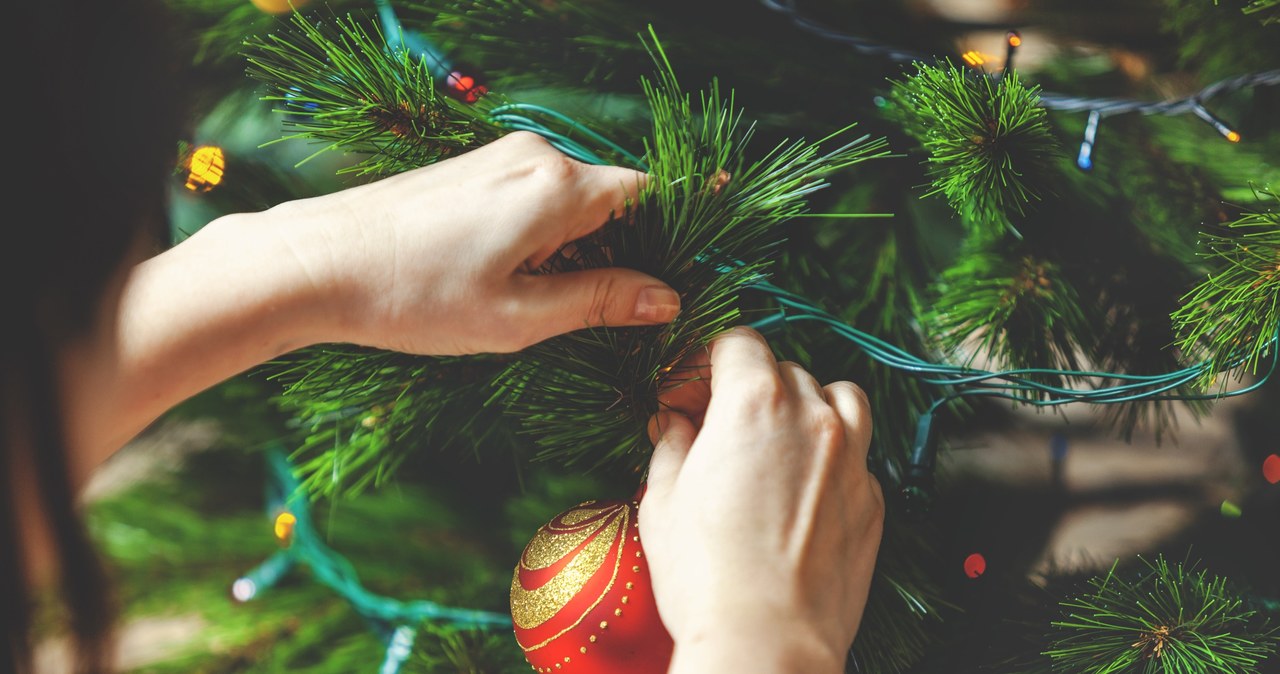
563 143
336 572
1014 380
395 619
503 113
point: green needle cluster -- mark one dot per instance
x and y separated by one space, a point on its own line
1230 317
991 151
1162 618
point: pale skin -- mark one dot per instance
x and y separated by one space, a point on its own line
760 520
436 261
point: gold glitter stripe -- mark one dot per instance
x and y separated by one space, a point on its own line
579 514
547 549
617 563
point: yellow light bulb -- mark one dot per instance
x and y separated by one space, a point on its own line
284 526
1233 137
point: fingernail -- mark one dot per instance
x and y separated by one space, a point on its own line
657 304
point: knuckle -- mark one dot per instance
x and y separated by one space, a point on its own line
796 370
761 392
512 331
554 168
853 389
828 427
525 138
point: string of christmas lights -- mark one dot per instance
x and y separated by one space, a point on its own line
916 486
394 620
459 81
1098 108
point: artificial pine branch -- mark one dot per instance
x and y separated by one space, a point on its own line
359 413
1231 319
568 42
1232 169
1161 619
1145 201
705 223
1217 38
446 648
1012 307
217 29
825 261
905 605
990 148
340 84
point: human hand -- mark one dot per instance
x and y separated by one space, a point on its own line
437 260
760 520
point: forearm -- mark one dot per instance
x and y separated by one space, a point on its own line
403 263
232 296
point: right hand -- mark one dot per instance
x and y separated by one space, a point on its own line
760 520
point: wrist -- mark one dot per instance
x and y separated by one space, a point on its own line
269 287
303 285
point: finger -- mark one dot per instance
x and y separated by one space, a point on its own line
741 355
607 191
800 381
851 403
672 435
687 387
553 304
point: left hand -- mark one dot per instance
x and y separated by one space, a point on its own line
435 261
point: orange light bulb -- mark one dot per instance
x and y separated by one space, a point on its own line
205 168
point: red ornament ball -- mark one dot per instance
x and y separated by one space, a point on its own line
1271 469
581 601
975 565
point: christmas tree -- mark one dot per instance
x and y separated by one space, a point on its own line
980 214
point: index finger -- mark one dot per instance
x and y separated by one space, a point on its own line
607 192
688 387
741 353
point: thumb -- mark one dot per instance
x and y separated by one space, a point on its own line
672 434
553 304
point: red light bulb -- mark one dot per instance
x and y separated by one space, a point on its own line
975 565
1271 469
